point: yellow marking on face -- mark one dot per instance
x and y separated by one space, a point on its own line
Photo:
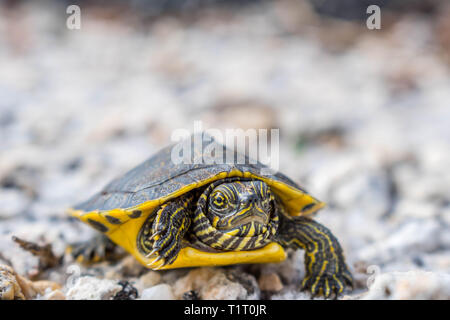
243 229
221 239
214 222
230 190
243 243
262 190
242 212
233 232
252 230
259 240
259 209
252 184
205 231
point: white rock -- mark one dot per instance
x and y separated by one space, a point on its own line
413 238
90 288
439 261
158 292
293 294
412 208
150 278
219 287
217 284
9 286
12 202
410 285
364 191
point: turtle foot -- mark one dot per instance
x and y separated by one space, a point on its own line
168 229
327 284
100 248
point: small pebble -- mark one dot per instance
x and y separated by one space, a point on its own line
150 279
158 292
91 288
270 282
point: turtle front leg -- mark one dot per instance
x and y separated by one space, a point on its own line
326 270
168 229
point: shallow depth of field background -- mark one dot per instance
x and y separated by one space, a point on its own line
364 119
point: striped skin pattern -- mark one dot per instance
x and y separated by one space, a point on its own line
326 271
162 234
219 227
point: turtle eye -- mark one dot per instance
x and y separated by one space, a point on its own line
219 201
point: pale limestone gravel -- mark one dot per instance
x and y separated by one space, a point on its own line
366 129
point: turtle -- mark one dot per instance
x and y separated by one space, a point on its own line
169 214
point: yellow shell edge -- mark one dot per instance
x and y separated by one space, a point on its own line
191 257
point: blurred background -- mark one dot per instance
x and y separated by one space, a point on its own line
364 119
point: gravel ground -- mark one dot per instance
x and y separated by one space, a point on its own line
364 120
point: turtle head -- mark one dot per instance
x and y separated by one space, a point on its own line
239 204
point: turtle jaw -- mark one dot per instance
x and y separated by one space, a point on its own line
246 219
253 219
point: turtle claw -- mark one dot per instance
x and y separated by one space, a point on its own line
152 263
161 265
152 253
161 259
163 250
157 259
326 285
157 233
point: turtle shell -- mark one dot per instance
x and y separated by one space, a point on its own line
133 196
159 179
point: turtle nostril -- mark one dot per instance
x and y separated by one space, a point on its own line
253 199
